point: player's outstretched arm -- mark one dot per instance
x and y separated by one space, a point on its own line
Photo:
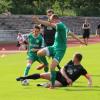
66 77
39 21
77 38
88 77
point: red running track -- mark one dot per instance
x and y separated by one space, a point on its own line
71 43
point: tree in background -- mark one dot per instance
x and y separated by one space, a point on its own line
61 7
31 6
5 5
22 6
86 7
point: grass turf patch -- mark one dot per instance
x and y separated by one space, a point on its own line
13 66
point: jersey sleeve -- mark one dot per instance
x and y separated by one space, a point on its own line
83 71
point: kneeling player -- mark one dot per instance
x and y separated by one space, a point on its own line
67 75
35 42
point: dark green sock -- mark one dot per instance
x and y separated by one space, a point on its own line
44 61
53 77
46 68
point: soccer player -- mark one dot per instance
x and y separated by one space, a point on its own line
98 30
86 31
35 42
48 31
66 76
21 42
58 49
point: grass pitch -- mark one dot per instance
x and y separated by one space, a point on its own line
12 66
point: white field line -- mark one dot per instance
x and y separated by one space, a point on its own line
11 52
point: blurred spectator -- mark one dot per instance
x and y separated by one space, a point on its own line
86 31
22 43
98 30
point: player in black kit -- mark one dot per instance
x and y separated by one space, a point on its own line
66 76
49 32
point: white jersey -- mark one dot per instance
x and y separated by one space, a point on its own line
20 38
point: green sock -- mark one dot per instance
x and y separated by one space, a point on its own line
44 61
53 77
27 70
46 68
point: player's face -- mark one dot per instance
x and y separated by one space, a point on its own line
52 20
49 14
75 59
36 31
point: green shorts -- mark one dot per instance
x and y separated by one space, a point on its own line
33 57
56 54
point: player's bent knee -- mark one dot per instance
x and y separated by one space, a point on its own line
41 53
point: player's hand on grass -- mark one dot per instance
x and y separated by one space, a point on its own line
69 81
90 84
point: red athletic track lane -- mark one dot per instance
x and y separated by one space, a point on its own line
71 43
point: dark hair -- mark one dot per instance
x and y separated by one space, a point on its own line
79 56
37 27
54 16
50 11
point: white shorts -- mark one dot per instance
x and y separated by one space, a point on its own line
46 51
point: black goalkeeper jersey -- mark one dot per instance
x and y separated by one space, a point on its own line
74 71
49 35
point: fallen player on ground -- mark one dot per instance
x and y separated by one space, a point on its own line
66 76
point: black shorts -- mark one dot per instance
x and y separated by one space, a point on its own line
61 79
49 43
86 34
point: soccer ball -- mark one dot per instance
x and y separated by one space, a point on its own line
25 82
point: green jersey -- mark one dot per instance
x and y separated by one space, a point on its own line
60 36
35 42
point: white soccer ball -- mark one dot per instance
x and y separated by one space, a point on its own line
25 82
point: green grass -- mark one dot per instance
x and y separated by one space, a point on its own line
12 66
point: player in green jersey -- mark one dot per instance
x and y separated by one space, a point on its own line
35 42
56 51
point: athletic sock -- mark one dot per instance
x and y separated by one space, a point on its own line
53 77
27 70
43 60
33 76
46 68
